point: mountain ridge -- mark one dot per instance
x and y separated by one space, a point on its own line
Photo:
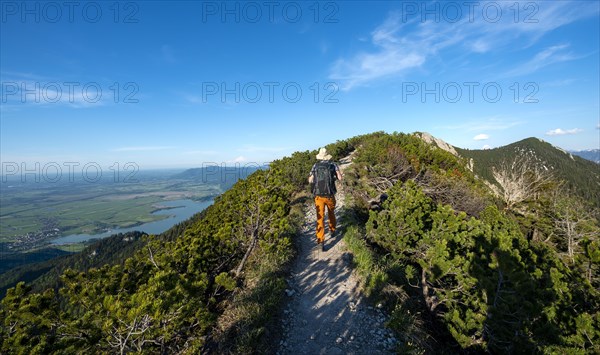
579 175
455 267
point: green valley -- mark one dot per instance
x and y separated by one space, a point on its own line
32 213
465 256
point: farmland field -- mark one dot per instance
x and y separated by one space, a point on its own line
32 213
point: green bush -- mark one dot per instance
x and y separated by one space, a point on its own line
492 287
170 294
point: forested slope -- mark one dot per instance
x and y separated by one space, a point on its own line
462 266
168 296
466 269
579 175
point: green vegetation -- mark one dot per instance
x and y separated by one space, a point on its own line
466 269
579 175
16 260
46 274
364 259
111 250
169 295
461 266
34 213
72 248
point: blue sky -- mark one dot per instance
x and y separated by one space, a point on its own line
179 84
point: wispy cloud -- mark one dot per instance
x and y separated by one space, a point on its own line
402 45
256 149
21 89
395 54
201 152
49 93
193 98
558 83
550 55
481 137
562 132
239 159
534 20
324 47
167 54
142 148
8 75
489 124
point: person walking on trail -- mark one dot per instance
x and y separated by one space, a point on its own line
322 177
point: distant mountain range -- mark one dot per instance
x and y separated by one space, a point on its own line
224 176
216 173
589 154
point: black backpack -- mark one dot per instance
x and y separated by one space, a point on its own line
324 179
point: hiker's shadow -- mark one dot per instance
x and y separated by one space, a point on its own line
339 231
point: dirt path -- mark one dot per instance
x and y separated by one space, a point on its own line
326 312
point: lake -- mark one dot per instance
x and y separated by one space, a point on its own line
178 211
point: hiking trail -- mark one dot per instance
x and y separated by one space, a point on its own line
326 311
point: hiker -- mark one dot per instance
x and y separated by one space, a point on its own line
322 177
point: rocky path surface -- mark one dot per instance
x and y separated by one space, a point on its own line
326 312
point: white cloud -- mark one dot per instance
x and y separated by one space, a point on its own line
167 54
239 159
558 83
324 47
200 152
23 88
395 54
255 148
562 132
403 44
20 76
193 99
550 55
486 146
495 123
142 149
42 93
481 137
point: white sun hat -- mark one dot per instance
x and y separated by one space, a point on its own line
323 154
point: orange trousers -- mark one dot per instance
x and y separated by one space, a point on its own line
321 203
